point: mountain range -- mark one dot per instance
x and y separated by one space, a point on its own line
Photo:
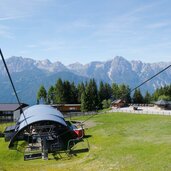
29 74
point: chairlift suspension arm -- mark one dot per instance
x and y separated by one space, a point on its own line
3 59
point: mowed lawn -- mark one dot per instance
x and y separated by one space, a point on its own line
118 142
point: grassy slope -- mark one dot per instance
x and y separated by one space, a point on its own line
119 142
4 125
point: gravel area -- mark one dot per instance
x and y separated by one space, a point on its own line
143 110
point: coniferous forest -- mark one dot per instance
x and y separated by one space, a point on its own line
92 96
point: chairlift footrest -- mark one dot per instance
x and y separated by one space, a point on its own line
79 151
32 156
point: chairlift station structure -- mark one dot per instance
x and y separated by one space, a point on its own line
44 130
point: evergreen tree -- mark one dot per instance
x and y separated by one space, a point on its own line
101 94
167 91
156 95
115 91
66 92
124 93
74 94
92 94
137 96
51 95
95 96
84 102
147 98
163 91
42 94
89 98
80 89
104 93
107 91
59 92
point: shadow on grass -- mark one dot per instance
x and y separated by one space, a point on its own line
87 136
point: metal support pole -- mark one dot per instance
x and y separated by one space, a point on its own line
44 149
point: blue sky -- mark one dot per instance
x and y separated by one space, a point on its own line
86 30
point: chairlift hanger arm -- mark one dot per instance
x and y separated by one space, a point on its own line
10 77
3 59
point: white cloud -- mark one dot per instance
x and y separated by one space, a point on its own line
9 18
16 9
32 46
158 25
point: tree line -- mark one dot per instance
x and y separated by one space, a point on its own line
93 97
163 93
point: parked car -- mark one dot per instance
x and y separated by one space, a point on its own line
135 107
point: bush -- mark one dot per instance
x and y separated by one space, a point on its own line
164 97
106 103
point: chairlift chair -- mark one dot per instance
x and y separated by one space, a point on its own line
72 147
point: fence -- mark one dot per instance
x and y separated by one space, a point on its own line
72 114
141 111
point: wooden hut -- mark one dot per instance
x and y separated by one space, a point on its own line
118 103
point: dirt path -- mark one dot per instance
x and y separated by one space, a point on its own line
90 124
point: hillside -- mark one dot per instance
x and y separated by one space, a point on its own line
118 141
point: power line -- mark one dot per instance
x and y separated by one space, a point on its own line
149 79
122 97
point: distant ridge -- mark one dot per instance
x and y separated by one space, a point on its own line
29 74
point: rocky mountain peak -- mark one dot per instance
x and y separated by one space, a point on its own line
118 70
18 64
75 65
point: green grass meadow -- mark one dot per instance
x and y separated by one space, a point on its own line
118 141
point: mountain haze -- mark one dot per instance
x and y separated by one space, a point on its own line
29 74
